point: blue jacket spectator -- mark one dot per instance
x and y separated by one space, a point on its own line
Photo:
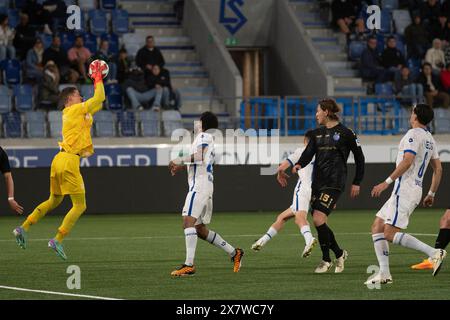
34 68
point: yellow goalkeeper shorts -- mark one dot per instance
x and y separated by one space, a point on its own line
65 176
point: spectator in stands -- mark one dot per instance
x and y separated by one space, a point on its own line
445 78
34 67
159 79
344 14
25 37
49 87
123 65
178 8
103 54
406 87
392 58
435 56
429 12
6 39
79 57
58 56
434 94
149 55
440 29
416 38
57 10
371 67
38 15
445 8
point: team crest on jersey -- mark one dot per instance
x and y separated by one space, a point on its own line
411 140
336 137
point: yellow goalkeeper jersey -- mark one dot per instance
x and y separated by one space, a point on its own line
77 122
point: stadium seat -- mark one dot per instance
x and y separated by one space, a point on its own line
120 22
70 2
4 5
381 41
384 89
149 123
67 40
46 39
61 87
442 120
12 125
87 4
90 42
171 121
386 21
35 124
13 18
109 4
98 22
355 49
55 123
113 41
114 97
11 71
5 100
23 96
401 19
389 4
104 124
87 91
18 4
127 123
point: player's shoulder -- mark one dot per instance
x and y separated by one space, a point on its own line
204 137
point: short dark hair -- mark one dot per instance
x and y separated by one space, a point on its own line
149 37
64 95
391 38
424 113
79 37
209 121
427 64
371 38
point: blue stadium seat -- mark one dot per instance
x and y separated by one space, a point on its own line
389 4
120 22
55 123
380 43
5 100
386 21
11 71
401 19
23 97
109 4
113 41
4 5
13 17
46 39
70 2
104 124
149 123
384 89
98 22
171 121
87 4
355 49
35 124
19 3
12 125
61 87
400 44
127 123
442 120
67 40
87 91
90 42
114 97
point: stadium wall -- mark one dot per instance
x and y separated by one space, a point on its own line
153 190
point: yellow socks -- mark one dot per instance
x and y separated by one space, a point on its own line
41 210
78 207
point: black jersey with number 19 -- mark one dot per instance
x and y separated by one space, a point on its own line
331 147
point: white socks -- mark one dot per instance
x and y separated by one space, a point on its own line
191 244
217 240
306 232
381 246
268 236
408 241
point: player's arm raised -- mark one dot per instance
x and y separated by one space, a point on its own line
403 166
95 103
360 162
435 182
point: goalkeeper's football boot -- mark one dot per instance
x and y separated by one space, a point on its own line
340 262
424 265
183 271
437 260
21 237
308 248
323 267
379 278
58 248
237 259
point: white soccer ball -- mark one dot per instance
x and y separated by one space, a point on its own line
103 63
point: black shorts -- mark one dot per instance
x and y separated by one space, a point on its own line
325 200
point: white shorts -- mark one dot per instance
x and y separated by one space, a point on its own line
397 210
198 205
302 198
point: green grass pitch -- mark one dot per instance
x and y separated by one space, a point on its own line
131 257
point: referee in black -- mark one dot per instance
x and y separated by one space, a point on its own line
6 171
331 144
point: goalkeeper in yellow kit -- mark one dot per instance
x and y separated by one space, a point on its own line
65 176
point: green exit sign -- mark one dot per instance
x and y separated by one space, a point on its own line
231 41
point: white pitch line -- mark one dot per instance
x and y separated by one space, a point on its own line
226 236
58 293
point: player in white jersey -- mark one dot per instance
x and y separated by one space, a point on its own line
299 208
416 150
198 206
